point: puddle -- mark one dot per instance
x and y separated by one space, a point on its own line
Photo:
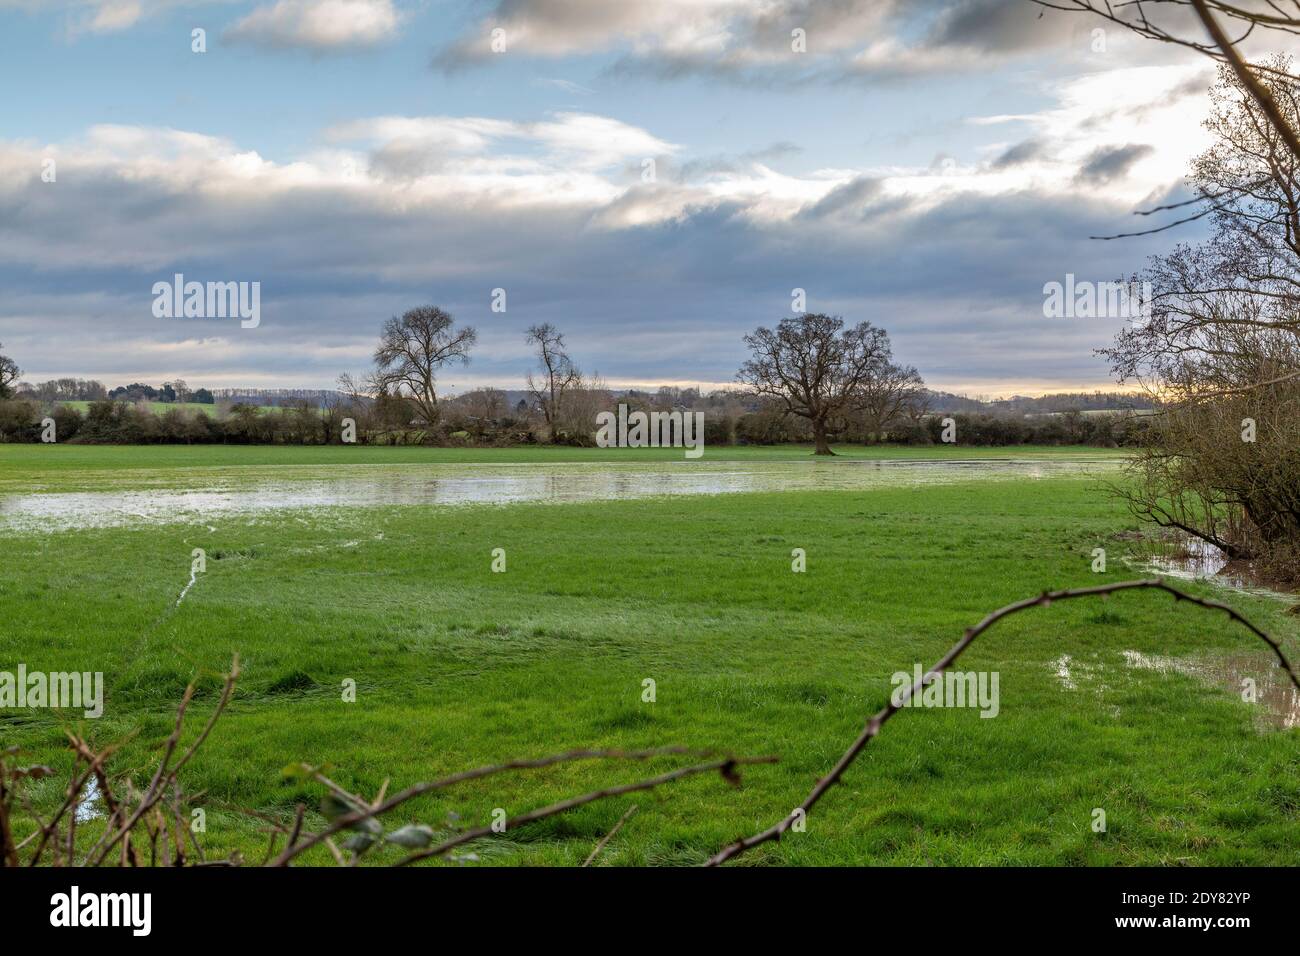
1275 696
87 807
1072 673
1189 558
230 492
1062 665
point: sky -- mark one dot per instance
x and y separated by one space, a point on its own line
654 177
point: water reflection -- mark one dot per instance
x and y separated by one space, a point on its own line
1268 684
376 486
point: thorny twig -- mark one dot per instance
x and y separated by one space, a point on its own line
726 767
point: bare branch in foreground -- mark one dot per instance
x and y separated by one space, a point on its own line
726 767
165 776
609 836
365 811
878 720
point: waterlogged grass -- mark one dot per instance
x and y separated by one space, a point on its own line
37 467
456 666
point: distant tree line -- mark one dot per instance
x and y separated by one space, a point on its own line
397 403
271 396
90 390
1052 404
482 417
168 393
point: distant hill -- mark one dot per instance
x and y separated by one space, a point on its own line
1042 405
940 402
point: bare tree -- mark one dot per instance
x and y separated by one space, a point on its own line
583 401
1220 350
484 404
1225 24
559 375
889 393
9 372
412 350
182 390
351 399
814 366
350 387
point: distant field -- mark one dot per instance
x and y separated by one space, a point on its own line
456 666
157 408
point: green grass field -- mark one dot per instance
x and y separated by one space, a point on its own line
456 666
157 408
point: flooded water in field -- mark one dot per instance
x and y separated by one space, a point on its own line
1189 558
1259 681
1186 557
1254 677
215 494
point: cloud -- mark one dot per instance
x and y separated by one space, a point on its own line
322 26
568 86
854 196
1148 116
111 15
563 157
104 16
754 40
1021 153
1107 163
651 280
995 26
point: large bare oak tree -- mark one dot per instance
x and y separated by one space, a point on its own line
815 367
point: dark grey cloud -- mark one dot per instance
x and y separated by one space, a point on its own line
1021 153
853 197
1107 163
775 151
999 26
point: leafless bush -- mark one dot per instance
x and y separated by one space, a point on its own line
1220 351
150 826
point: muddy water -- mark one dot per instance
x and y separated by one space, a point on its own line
217 493
1275 698
1274 694
1189 558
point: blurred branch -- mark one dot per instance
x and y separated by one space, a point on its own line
609 836
727 767
364 812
